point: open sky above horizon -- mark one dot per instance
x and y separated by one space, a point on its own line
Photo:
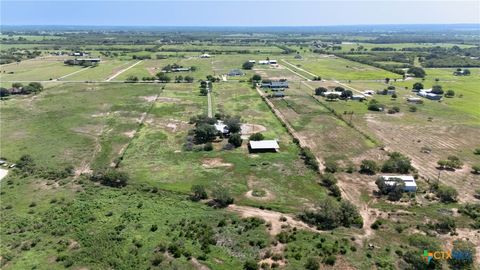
237 13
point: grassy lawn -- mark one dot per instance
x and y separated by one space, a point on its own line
36 70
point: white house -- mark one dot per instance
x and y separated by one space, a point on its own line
263 62
205 55
263 146
408 180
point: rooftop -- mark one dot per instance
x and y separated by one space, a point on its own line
265 144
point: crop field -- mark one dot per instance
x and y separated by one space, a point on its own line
118 174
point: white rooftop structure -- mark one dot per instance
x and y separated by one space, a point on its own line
408 181
251 61
368 92
263 62
264 145
205 55
272 61
221 127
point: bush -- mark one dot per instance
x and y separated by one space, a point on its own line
368 167
208 146
331 166
111 177
328 179
312 264
198 193
476 169
250 265
256 137
446 194
331 214
309 158
397 163
221 198
235 139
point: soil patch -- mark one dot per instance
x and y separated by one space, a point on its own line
215 163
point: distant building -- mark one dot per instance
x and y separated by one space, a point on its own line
358 97
79 54
328 93
298 56
369 92
407 180
278 94
414 100
252 61
263 146
205 55
272 62
263 62
275 84
235 72
180 69
429 95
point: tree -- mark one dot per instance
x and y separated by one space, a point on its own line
394 190
189 79
368 167
350 215
131 79
437 89
466 72
328 179
320 90
203 91
330 214
233 124
387 80
339 89
397 163
446 194
111 177
417 86
235 139
346 94
331 97
4 92
221 197
205 133
256 137
163 77
178 79
198 193
17 85
417 72
450 93
374 105
331 166
26 164
247 65
36 86
256 78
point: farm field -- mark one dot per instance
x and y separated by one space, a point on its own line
107 173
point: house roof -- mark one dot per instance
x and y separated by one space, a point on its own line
407 180
221 127
264 144
279 84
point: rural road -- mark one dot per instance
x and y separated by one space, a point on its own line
78 71
122 71
210 110
3 173
301 69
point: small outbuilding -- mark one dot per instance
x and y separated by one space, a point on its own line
407 180
263 146
235 72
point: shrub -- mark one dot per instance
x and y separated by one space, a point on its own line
397 163
256 137
309 158
368 167
250 265
208 146
446 194
312 264
221 198
328 179
235 139
331 166
476 169
111 177
198 193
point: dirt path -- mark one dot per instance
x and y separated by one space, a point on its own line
75 72
301 69
85 165
198 265
296 73
123 70
290 129
210 110
272 217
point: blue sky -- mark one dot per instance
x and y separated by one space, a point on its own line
237 13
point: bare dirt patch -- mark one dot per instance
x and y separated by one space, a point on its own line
272 217
198 265
247 129
168 99
149 98
130 133
209 163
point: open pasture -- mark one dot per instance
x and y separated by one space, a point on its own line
49 68
334 68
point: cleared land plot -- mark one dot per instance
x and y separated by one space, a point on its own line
333 68
103 71
156 157
73 124
36 70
